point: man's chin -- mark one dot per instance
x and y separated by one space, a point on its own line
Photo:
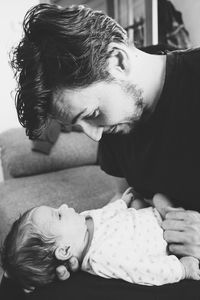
126 129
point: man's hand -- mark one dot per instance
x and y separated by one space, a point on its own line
191 267
62 272
182 232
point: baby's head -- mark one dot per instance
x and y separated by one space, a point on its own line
42 239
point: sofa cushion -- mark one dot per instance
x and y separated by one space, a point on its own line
82 188
18 159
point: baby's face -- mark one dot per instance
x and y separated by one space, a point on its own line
67 226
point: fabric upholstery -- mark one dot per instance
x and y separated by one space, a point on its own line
84 286
70 150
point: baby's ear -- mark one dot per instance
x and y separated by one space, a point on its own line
63 253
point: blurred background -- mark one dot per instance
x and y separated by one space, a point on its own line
153 25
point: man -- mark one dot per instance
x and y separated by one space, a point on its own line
77 66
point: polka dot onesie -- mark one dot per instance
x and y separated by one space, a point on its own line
129 244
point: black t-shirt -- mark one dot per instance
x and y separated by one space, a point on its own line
163 153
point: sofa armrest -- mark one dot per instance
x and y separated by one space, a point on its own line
70 150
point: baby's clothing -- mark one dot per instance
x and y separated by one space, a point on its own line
128 244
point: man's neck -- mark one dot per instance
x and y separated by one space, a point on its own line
149 74
159 75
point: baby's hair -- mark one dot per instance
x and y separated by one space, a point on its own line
27 254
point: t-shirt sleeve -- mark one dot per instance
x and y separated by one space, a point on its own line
107 158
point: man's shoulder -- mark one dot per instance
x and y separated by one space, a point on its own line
189 59
190 52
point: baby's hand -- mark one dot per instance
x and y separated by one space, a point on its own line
191 266
127 196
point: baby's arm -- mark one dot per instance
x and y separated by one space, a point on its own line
127 197
137 201
133 199
158 270
130 197
140 269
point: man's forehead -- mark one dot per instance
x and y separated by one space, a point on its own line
63 109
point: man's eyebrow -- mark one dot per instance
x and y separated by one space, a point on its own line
77 116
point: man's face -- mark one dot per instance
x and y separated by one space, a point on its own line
101 107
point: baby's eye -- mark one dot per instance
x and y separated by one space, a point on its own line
59 216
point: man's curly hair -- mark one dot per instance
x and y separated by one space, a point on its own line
61 47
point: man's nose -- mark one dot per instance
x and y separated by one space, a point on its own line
92 131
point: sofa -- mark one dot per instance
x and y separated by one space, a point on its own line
68 173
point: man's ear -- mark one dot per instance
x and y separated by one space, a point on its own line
118 61
63 253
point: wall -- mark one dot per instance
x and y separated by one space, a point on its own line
190 10
11 16
94 4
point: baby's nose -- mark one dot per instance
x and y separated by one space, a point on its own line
63 207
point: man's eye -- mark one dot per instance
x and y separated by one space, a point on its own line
93 115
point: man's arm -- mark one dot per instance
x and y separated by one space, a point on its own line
182 232
181 227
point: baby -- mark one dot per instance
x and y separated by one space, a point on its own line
113 242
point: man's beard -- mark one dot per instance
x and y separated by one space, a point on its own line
136 95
